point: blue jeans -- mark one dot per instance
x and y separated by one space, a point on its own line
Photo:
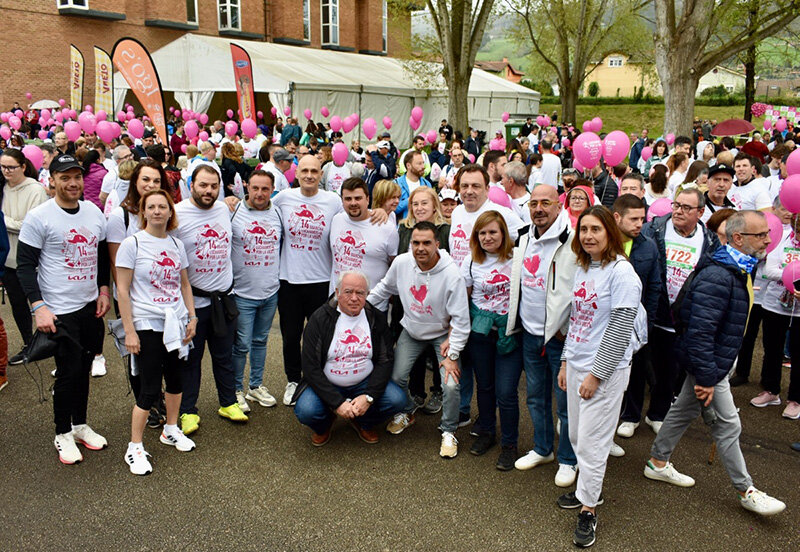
252 332
542 363
406 352
467 388
311 411
496 377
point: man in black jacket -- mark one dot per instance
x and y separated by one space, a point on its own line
347 365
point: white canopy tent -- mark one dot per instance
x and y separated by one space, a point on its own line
194 67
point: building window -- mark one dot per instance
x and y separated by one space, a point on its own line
80 4
307 20
615 61
330 22
229 15
385 25
191 11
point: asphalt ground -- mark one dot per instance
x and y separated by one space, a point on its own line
263 486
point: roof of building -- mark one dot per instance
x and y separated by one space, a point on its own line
497 66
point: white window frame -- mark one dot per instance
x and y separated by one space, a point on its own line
196 19
77 4
307 20
385 27
331 9
230 5
616 61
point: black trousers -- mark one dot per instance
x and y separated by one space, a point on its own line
745 361
775 326
296 304
154 363
19 304
666 372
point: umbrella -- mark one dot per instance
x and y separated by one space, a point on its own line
733 127
45 104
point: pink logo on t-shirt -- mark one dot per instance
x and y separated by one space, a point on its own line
532 264
259 244
459 244
80 249
496 291
419 293
165 278
349 249
351 351
584 308
306 226
496 277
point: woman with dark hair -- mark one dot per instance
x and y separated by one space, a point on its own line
321 133
311 128
232 166
93 174
660 155
596 362
656 188
697 174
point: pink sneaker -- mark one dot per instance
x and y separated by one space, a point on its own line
792 410
765 398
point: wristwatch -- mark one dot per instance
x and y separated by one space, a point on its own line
453 356
369 399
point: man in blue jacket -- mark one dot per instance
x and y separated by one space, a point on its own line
713 318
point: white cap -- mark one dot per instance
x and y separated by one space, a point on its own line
383 144
448 193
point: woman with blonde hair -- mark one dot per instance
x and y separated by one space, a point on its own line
232 166
386 196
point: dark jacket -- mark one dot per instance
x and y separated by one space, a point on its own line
317 339
442 234
715 312
230 169
644 258
636 153
472 146
390 162
656 229
289 132
605 189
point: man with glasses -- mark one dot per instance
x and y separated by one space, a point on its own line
682 240
720 180
450 171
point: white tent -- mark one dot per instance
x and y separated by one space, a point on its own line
194 67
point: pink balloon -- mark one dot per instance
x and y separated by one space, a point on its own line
775 231
287 110
203 118
565 142
129 108
231 127
203 136
19 113
4 117
471 157
274 111
647 153
249 128
577 166
172 109
5 133
130 116
88 108
135 128
670 139
177 113
597 124
793 162
339 153
790 193
348 124
73 130
324 111
44 114
289 174
101 115
42 135
370 127
660 207
28 95
62 102
121 116
616 147
431 136
87 122
117 129
791 273
504 116
73 114
183 148
499 196
229 113
336 123
780 125
387 123
413 123
587 126
588 149
105 131
767 124
34 155
190 128
417 114
260 115
59 116
15 122
193 141
307 113
356 118
186 115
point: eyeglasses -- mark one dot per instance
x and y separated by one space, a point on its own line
569 172
758 235
6 168
358 292
543 202
578 198
680 207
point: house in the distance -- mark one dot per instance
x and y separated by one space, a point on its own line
772 88
501 68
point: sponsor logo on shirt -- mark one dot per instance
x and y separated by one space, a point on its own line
260 244
351 352
419 294
211 248
306 226
165 278
80 253
582 317
349 249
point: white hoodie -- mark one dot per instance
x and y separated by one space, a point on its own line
434 302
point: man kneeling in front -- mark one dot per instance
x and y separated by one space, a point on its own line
347 365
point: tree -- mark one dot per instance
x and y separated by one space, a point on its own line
594 89
693 36
571 36
459 28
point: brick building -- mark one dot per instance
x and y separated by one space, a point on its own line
37 33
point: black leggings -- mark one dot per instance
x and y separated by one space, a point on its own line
19 304
774 331
155 362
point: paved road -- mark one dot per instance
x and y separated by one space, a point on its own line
262 486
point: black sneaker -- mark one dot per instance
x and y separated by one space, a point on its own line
569 501
464 419
584 533
508 455
155 420
19 358
482 444
737 380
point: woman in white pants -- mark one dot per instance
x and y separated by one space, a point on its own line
597 354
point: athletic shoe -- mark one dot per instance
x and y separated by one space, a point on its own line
449 446
189 423
616 451
533 459
86 436
655 426
99 366
241 402
795 446
400 422
233 413
261 395
787 364
508 455
177 439
668 474
737 380
464 419
68 451
136 458
761 503
566 474
19 358
626 429
792 410
584 532
418 401
482 444
321 439
369 436
569 501
155 419
288 394
765 398
434 404
3 382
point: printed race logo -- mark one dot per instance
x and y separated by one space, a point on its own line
165 277
80 253
459 243
260 244
582 317
306 227
496 291
211 248
418 305
349 249
530 279
351 352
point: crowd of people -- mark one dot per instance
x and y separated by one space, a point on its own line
477 264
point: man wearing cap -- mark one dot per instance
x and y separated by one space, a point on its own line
380 165
280 162
471 143
720 180
147 140
63 266
385 135
448 200
417 145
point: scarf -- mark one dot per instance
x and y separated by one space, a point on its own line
744 261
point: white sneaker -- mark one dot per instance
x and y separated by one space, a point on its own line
655 426
616 451
626 429
53 373
566 474
176 438
291 387
68 452
449 446
86 436
136 458
533 459
241 402
99 366
761 503
668 474
261 395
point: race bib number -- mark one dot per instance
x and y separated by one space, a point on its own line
681 256
790 254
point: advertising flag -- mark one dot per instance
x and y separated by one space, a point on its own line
103 82
75 78
243 74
